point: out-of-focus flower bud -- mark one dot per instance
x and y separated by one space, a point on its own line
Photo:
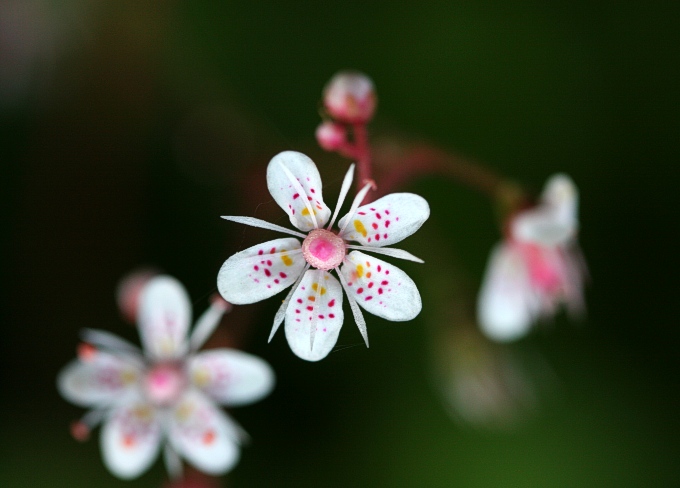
331 136
350 97
128 292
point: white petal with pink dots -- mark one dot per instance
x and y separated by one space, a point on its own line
231 377
314 315
130 439
203 434
386 221
295 184
380 287
260 271
164 317
98 381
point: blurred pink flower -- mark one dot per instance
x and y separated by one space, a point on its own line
349 97
166 394
537 268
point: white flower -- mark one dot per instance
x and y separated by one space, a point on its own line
165 395
313 308
536 268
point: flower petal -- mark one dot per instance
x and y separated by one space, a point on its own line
130 439
203 434
507 304
380 288
100 380
231 377
386 221
554 220
164 317
297 202
260 271
314 316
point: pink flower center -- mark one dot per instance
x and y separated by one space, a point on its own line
545 269
323 249
164 384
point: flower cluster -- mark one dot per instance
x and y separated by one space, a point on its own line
536 268
313 308
165 395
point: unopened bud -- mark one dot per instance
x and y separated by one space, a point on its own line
349 97
331 136
80 431
129 290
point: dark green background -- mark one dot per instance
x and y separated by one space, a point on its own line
126 147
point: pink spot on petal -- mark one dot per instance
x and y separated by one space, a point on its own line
260 252
369 298
374 225
387 224
331 303
267 272
310 308
256 268
384 282
378 216
297 311
312 190
295 196
299 300
387 212
283 275
370 285
276 280
331 316
387 271
380 292
379 268
377 237
384 236
269 263
361 213
272 250
360 290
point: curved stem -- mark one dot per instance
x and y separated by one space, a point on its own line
363 154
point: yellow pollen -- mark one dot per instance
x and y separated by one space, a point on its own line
286 260
201 377
360 270
305 211
359 226
311 298
368 275
315 286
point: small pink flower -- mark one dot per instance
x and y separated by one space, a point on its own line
313 308
331 136
165 396
537 268
349 97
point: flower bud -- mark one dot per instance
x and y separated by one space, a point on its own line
349 97
129 290
331 136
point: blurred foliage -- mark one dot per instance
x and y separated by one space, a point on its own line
130 127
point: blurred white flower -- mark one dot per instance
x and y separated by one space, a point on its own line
167 394
536 268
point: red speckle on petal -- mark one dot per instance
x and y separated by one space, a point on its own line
312 190
387 271
380 292
374 225
361 213
310 308
377 237
384 236
276 280
209 437
309 198
267 272
272 250
321 316
377 216
297 311
299 300
384 282
330 315
370 285
331 303
387 224
260 252
379 268
295 196
283 275
256 268
269 263
369 298
387 212
360 290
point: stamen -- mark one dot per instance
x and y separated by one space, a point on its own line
356 311
262 224
355 205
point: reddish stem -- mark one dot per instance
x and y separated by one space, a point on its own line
363 155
